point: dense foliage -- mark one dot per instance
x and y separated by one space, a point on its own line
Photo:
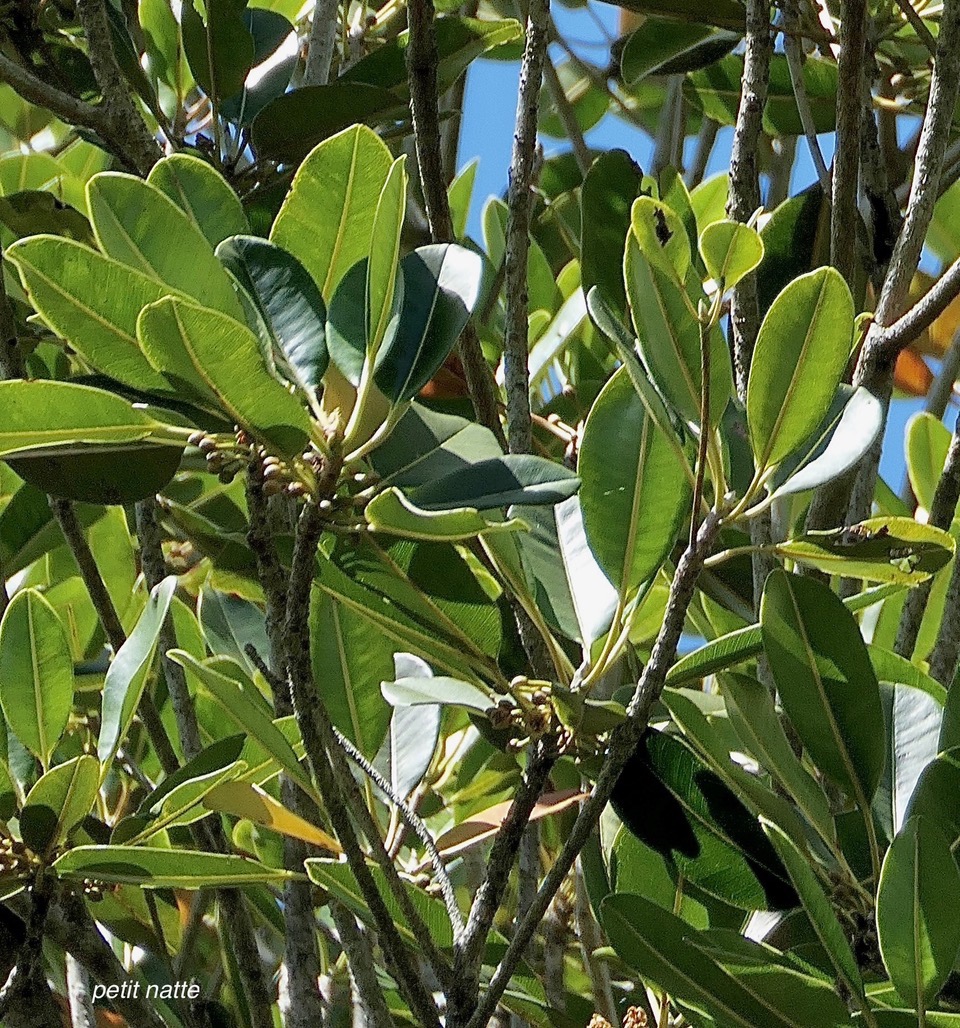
345 558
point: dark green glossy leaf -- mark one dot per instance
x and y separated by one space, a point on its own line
59 801
441 285
289 302
826 680
220 49
516 479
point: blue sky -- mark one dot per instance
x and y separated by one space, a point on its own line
487 133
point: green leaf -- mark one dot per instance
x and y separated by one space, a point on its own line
135 223
716 91
919 881
220 49
441 285
384 255
59 801
611 185
391 512
188 344
351 665
936 797
290 126
92 302
671 801
413 692
128 672
119 474
724 13
848 430
664 309
884 549
826 681
660 46
801 353
36 674
202 194
819 910
744 643
327 218
927 443
163 868
755 719
245 712
230 623
498 482
427 445
632 506
459 42
289 303
460 197
657 944
730 250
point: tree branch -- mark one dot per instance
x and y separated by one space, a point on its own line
323 36
503 854
422 59
320 744
846 163
82 1014
794 52
355 944
567 115
522 166
623 742
922 314
124 126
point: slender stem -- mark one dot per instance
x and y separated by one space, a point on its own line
923 313
794 53
567 115
522 169
918 25
623 742
938 395
356 945
705 326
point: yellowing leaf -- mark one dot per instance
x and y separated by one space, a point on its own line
244 800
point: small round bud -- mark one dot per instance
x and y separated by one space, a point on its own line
195 438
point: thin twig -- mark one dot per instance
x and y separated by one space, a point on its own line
794 52
591 939
124 126
918 25
82 1014
422 61
942 511
623 742
209 833
567 115
300 998
701 156
946 649
874 369
522 168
